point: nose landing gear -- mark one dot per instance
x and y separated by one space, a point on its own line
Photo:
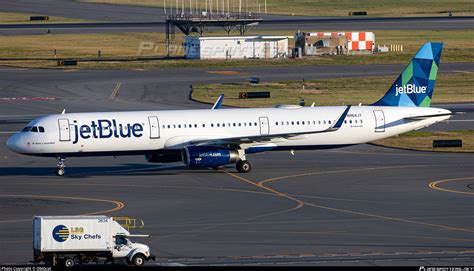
60 171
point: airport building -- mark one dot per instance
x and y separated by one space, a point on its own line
334 43
236 47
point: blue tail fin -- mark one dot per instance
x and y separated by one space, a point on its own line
414 86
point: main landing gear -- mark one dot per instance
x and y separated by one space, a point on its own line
243 165
60 171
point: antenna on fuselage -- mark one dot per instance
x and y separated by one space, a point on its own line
64 111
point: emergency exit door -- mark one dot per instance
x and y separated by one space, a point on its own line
264 128
64 131
379 121
154 127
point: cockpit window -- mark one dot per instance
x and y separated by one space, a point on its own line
34 129
41 129
26 129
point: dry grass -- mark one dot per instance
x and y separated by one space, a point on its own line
424 140
17 17
450 88
458 48
326 8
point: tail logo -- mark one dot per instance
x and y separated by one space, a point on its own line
410 89
415 85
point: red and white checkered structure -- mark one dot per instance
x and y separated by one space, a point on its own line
357 41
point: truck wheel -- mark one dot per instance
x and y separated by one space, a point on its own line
69 262
138 260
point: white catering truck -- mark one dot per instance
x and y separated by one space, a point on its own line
68 240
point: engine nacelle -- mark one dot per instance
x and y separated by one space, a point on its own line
204 156
165 156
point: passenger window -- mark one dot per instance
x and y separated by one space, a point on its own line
360 121
324 122
350 121
314 122
169 126
41 129
255 123
292 123
195 126
179 125
212 124
218 125
302 122
203 125
319 122
223 124
329 122
276 123
34 129
239 124
234 124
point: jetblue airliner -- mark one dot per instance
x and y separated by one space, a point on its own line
216 137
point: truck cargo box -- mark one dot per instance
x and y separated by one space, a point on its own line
75 233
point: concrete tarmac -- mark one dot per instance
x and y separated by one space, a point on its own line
289 23
361 205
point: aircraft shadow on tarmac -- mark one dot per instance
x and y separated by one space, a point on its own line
119 170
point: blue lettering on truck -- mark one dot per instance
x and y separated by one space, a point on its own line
61 233
106 129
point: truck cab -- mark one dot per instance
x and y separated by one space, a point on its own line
135 253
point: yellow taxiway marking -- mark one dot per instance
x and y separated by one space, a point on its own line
434 185
333 171
115 91
303 203
300 203
118 205
70 70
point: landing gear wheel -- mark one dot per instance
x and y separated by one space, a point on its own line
60 171
138 260
69 262
243 166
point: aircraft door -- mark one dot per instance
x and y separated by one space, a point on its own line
64 131
264 127
154 127
379 121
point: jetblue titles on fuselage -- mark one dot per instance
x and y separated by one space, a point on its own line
106 129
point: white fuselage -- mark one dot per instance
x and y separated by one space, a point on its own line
141 132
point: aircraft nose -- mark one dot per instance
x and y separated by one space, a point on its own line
13 143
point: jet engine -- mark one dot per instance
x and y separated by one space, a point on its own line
205 156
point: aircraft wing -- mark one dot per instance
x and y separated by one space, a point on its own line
263 138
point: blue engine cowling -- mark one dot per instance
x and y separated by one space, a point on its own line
205 156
